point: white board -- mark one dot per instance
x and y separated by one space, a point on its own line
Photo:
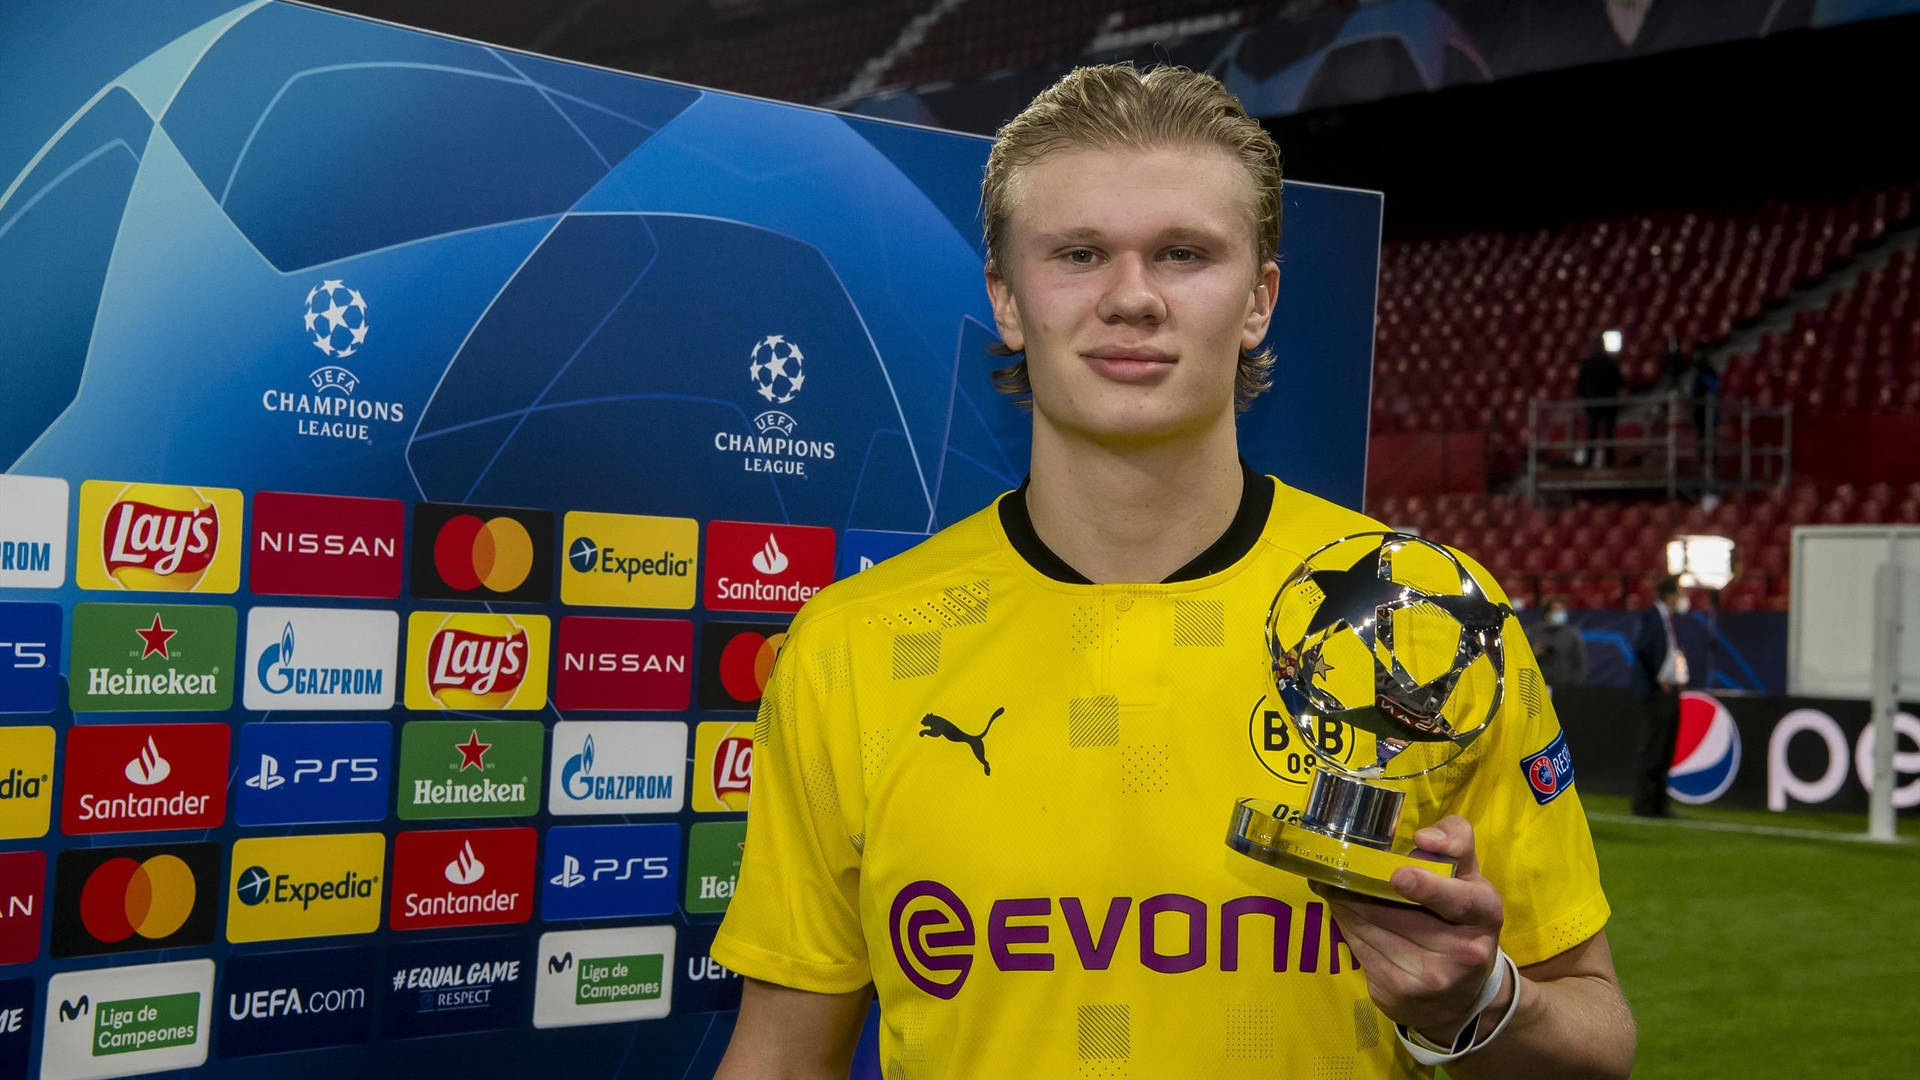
1830 620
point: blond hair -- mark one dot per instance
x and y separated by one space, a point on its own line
1114 106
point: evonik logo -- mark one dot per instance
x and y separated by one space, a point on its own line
936 938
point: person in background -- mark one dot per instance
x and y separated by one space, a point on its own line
1659 675
1704 389
1599 381
1561 651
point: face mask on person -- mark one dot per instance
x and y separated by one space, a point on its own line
1557 618
1681 604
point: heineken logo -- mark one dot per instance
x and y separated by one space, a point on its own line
142 657
475 769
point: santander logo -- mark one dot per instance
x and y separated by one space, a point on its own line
770 560
149 768
162 540
466 867
477 663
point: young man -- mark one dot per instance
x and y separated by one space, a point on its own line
993 774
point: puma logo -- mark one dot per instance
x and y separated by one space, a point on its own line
941 727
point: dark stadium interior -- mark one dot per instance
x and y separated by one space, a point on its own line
1751 199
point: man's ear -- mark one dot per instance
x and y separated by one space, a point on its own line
1006 311
1266 289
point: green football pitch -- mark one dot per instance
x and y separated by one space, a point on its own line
1764 945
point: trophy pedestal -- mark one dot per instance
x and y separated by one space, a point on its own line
1342 838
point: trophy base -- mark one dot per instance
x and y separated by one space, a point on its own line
1261 831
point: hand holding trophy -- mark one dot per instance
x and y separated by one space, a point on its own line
1392 636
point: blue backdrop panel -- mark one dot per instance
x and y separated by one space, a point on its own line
559 276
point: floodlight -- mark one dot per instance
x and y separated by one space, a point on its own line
1701 562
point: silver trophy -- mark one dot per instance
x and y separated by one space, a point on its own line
1380 636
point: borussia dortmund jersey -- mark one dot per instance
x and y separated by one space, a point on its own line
1000 794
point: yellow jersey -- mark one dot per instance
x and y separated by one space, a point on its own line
1000 794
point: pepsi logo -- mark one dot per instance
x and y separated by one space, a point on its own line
1706 756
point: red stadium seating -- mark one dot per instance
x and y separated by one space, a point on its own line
1605 554
1472 327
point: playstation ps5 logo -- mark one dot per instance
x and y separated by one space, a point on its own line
269 776
569 875
329 771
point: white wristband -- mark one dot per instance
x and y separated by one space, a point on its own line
1427 1053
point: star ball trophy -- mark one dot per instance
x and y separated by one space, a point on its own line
1386 636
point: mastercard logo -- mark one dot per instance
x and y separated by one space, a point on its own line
124 897
482 553
747 662
736 662
496 553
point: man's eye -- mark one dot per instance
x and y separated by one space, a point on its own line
1183 255
1080 256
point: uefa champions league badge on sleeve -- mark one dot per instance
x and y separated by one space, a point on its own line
1381 638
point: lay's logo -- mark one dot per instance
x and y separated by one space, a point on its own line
460 660
159 537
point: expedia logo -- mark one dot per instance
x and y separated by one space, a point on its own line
160 537
936 942
305 886
629 560
18 785
460 661
26 796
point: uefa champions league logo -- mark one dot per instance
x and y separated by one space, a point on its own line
337 318
335 322
775 367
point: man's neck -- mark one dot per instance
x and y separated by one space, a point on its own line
1132 514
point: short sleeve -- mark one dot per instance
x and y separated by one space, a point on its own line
794 918
1516 786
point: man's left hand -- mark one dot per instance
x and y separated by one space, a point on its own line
1426 965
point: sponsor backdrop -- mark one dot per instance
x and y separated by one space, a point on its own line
414 454
1753 750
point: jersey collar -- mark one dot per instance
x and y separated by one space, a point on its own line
1249 520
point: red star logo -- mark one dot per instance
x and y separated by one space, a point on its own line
473 751
155 637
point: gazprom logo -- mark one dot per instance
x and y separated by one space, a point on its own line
577 778
321 658
580 782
